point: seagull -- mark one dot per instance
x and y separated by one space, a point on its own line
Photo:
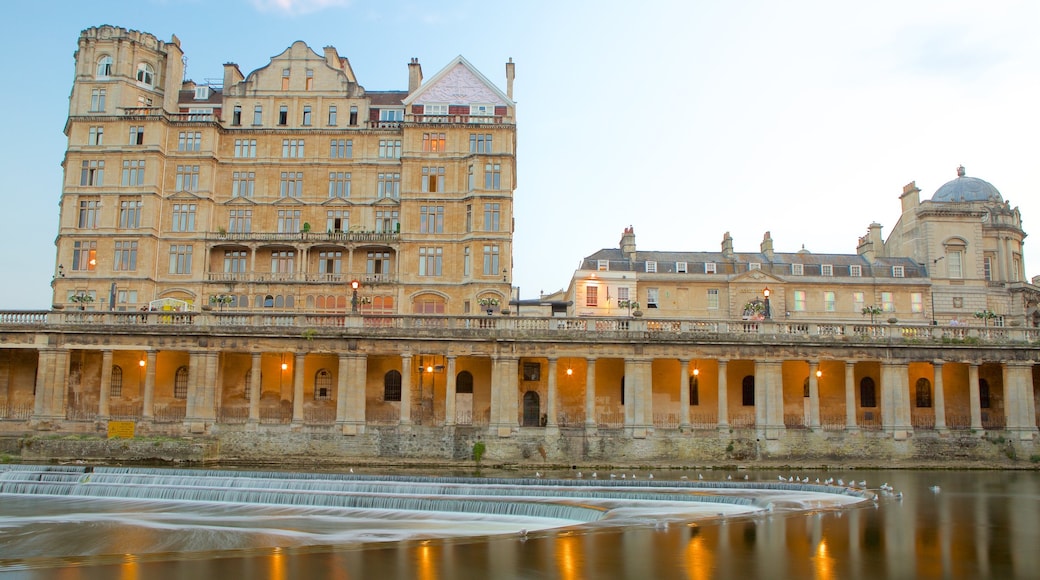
579 475
863 484
523 534
352 470
829 480
651 476
745 478
935 489
594 474
841 482
781 478
538 474
729 477
685 477
612 476
699 476
622 476
806 480
817 480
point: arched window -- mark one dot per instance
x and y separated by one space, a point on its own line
180 383
464 382
984 393
104 67
694 391
145 74
323 385
428 304
867 394
268 301
924 393
622 390
747 391
532 409
392 386
116 383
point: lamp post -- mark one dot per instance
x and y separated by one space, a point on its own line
766 292
354 284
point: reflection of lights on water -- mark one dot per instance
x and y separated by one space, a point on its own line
426 568
566 558
129 568
823 563
699 558
277 570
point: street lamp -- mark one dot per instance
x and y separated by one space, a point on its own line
765 293
354 284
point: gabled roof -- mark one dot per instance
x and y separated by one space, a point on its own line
459 83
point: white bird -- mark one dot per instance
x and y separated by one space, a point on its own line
699 476
612 476
579 475
841 482
594 474
729 477
806 480
817 480
685 477
622 476
651 476
352 470
538 474
745 478
863 484
523 534
633 476
781 478
899 495
935 489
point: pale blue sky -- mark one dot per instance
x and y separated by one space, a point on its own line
683 119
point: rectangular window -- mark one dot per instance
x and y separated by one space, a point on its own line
183 217
307 114
341 149
713 298
897 271
309 82
236 116
187 178
916 302
240 221
126 256
97 100
491 267
887 304
84 255
651 266
430 261
92 172
332 115
258 115
492 217
680 267
388 185
431 219
480 143
245 147
603 265
467 269
288 221
591 296
133 172
125 300
858 301
283 112
339 184
829 302
826 270
470 182
291 184
89 211
954 264
433 142
651 297
492 176
136 135
330 262
432 180
797 269
283 262
353 115
709 268
622 293
96 136
243 183
855 270
389 148
987 268
387 222
235 261
180 259
189 141
130 213
378 263
337 220
799 300
292 148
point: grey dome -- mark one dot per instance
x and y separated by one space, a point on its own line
967 189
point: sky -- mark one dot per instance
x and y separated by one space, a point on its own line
683 119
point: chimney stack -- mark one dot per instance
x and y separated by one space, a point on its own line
510 75
767 246
727 246
414 75
628 243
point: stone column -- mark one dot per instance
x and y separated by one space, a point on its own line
590 395
104 397
449 393
684 395
255 388
406 389
973 398
196 363
814 397
342 379
940 396
769 399
51 385
723 418
850 397
504 391
550 403
148 398
1019 406
297 398
895 400
638 397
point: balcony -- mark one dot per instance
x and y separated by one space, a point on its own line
295 278
305 237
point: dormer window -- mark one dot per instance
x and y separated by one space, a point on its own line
145 74
855 270
797 269
435 110
603 265
202 93
104 67
709 267
680 267
391 115
897 271
826 270
479 113
651 266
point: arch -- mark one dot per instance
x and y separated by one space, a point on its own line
984 394
180 383
392 386
694 387
464 383
268 302
145 74
532 409
923 393
747 391
104 67
867 393
323 385
429 303
115 384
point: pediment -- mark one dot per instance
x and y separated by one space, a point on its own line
337 202
388 202
188 195
458 83
288 201
756 277
240 201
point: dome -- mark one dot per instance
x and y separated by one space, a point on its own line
967 189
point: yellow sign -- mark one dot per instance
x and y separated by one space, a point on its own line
121 429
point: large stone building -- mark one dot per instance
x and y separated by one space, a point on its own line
206 292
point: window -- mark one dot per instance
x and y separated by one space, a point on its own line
984 395
92 172
481 110
187 178
291 184
136 135
480 143
388 185
282 262
288 221
747 391
378 263
285 79
432 180
713 298
924 393
469 218
243 183
323 383
799 300
332 114
492 217
431 219
651 266
987 268
115 382
292 148
341 149
433 142
236 115
916 302
353 115
283 113
709 268
126 256
96 136
651 297
392 386
245 147
897 271
306 114
591 296
492 176
133 172
180 259
694 387
125 299
754 266
258 115
491 266
145 74
97 100
84 255
89 211
867 394
430 261
470 182
532 371
466 266
393 115
826 270
189 141
339 184
130 213
829 303
387 222
887 304
104 67
954 263
184 217
797 269
603 265
389 148
858 301
680 267
337 220
235 261
180 383
240 221
622 293
855 270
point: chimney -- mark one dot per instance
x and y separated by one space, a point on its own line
727 246
911 197
871 245
510 75
332 58
767 246
628 243
232 76
414 75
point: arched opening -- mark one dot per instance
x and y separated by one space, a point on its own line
145 74
464 383
747 391
323 385
532 409
180 383
104 67
867 393
923 393
392 386
428 304
115 385
464 398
